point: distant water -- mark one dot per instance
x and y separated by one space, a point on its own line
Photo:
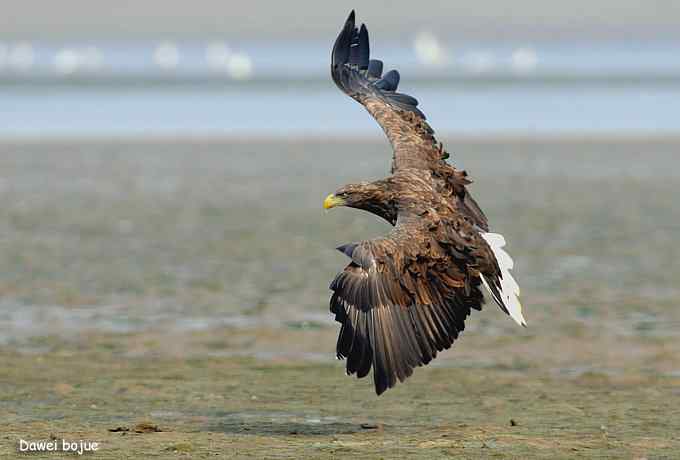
283 89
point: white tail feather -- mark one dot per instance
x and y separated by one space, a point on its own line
509 288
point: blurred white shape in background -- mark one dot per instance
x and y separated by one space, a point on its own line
217 56
221 58
429 49
524 60
70 60
478 61
166 56
66 61
20 56
240 66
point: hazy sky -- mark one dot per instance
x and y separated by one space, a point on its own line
317 19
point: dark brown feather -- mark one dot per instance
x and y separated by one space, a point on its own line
397 312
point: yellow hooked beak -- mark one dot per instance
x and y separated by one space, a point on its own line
332 201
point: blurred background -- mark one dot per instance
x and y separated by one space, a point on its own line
164 253
159 68
163 166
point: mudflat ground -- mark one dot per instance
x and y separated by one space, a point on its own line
169 299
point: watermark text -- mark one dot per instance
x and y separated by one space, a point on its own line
79 447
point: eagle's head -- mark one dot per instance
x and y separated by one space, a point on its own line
353 196
374 197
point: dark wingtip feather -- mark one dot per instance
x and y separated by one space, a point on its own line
357 75
392 77
347 249
404 99
354 50
364 48
375 67
340 53
389 82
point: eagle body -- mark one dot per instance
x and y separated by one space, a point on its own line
405 296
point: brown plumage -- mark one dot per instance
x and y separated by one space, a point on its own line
405 296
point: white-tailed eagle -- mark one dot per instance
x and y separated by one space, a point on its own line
405 296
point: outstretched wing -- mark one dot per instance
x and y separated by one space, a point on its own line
402 299
412 138
361 78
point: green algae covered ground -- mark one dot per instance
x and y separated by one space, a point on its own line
169 300
244 407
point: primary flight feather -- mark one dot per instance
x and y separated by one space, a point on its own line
405 296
